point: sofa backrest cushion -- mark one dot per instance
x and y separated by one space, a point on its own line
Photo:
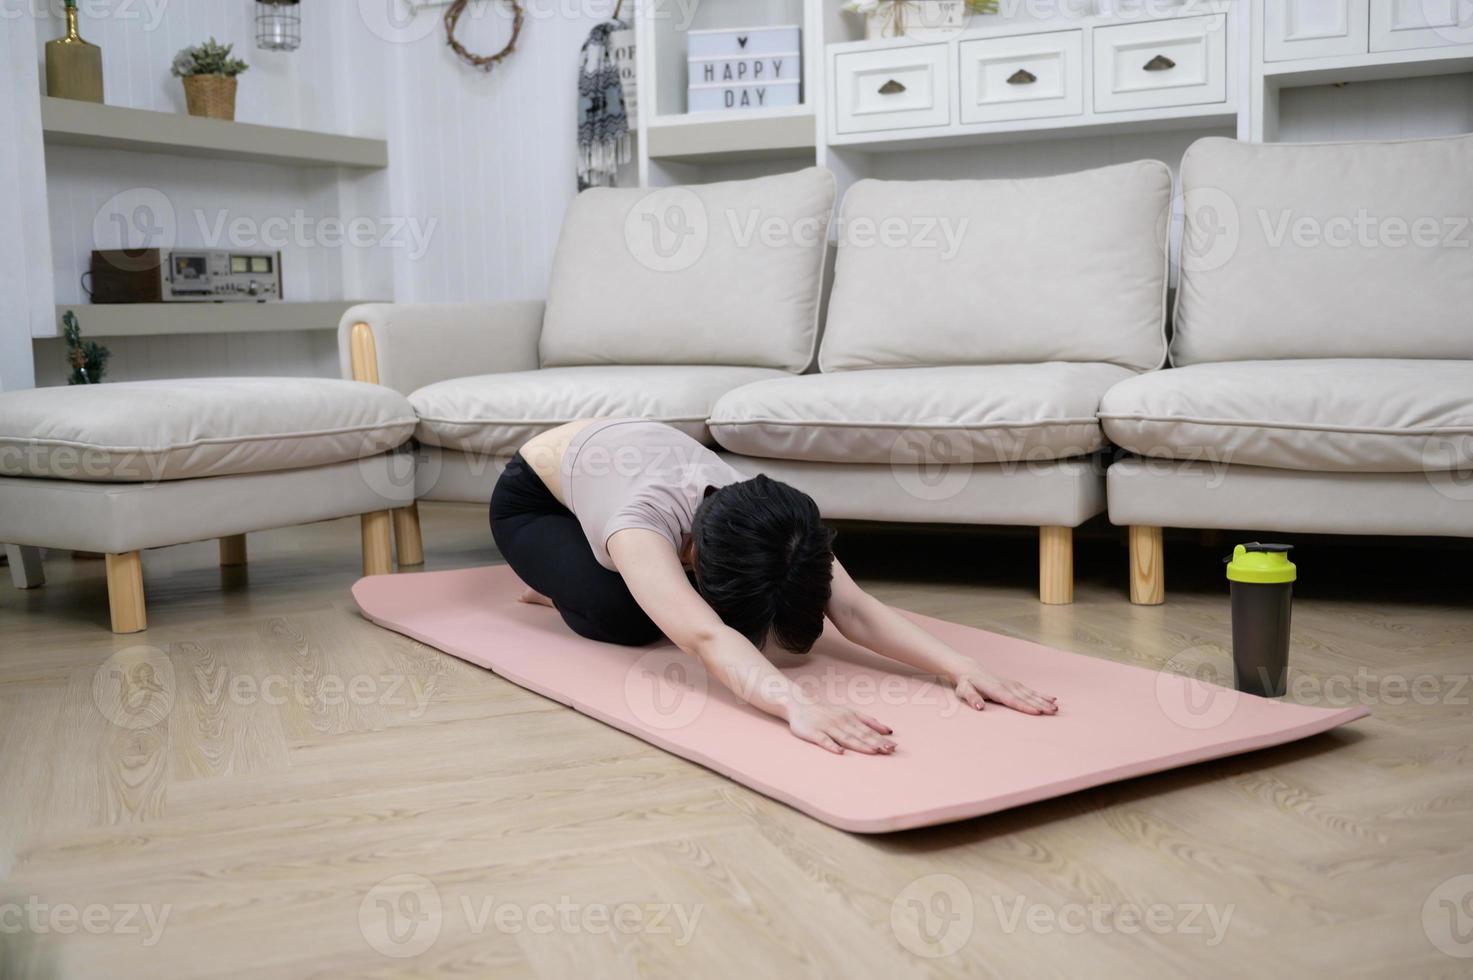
1326 250
1069 268
727 273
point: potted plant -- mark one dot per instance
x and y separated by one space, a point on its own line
897 18
209 73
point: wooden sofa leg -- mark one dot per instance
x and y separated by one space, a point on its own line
378 550
1056 565
407 536
233 551
26 570
125 592
1147 566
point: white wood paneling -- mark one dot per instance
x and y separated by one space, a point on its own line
25 274
1408 108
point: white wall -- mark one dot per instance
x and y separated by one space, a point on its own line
25 271
490 157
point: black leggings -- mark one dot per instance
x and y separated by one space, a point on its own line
544 544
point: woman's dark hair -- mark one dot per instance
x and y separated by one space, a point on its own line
764 561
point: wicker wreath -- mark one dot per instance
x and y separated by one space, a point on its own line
485 62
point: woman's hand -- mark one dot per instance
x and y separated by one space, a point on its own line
837 729
974 686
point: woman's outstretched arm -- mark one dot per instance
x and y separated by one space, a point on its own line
657 581
870 623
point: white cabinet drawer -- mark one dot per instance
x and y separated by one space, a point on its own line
1030 76
1295 29
1155 64
903 87
1400 25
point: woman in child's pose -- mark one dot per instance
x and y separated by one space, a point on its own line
631 529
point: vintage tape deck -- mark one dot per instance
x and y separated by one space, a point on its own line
185 275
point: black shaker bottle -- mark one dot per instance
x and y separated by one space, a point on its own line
1262 578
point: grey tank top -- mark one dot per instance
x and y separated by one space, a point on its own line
634 473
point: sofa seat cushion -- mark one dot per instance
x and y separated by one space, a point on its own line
977 414
494 414
1351 416
145 431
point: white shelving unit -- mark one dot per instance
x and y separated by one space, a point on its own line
1300 43
679 147
69 124
952 104
1077 80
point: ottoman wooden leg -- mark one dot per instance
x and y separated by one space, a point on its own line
1147 566
378 550
1056 565
125 592
233 551
26 570
407 537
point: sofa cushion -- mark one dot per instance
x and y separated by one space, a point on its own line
143 431
1069 268
1326 250
1353 416
494 414
978 414
726 273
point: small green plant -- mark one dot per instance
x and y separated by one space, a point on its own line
88 358
210 58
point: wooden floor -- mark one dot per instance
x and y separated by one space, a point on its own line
263 784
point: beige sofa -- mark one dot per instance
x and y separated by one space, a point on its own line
973 327
1322 374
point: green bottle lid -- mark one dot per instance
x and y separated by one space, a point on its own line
1262 564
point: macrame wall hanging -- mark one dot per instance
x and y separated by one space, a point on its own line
485 62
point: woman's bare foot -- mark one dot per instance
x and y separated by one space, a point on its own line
535 598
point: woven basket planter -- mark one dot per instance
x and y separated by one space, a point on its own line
210 95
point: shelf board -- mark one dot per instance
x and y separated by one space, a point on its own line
1213 116
721 136
1377 66
163 319
68 122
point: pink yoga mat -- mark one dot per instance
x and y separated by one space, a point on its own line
1115 721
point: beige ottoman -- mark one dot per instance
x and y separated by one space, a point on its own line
117 468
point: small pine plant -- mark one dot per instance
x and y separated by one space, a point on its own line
88 358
